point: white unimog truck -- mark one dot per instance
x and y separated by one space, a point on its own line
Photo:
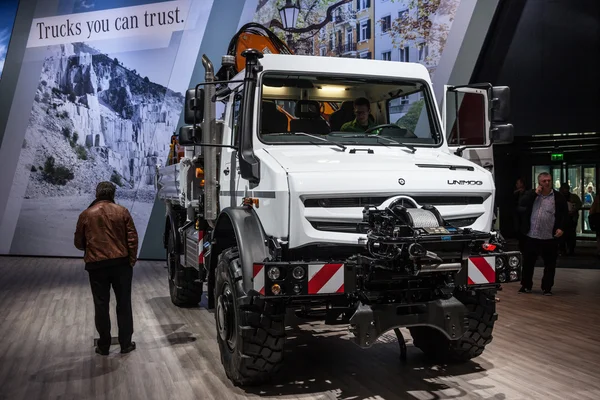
382 229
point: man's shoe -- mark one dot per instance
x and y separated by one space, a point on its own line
524 290
101 351
128 349
547 293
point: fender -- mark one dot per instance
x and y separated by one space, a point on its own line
241 226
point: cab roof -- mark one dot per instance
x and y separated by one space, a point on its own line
341 65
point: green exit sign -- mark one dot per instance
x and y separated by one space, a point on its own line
557 156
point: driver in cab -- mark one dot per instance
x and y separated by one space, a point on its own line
363 120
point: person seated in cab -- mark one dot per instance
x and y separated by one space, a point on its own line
363 120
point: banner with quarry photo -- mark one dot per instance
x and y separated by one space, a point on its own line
109 96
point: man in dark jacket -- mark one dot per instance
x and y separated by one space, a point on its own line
544 214
107 234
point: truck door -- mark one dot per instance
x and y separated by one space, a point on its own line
229 171
473 117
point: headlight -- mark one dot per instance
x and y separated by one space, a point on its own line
513 261
298 273
274 273
499 263
514 276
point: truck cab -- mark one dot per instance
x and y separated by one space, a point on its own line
328 175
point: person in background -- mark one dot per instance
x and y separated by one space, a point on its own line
594 219
589 194
517 195
106 233
544 213
363 120
574 204
588 199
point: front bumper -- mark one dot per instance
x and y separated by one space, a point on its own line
369 322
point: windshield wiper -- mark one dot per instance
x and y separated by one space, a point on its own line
408 146
341 146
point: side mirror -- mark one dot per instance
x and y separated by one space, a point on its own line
194 105
500 104
190 137
503 134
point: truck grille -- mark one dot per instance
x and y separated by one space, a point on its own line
352 227
338 202
345 227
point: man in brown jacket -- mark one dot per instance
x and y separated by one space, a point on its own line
105 231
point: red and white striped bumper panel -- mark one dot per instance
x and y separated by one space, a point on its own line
325 278
258 283
321 279
482 270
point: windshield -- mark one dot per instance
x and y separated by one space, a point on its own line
346 111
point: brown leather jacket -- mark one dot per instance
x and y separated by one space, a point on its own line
107 234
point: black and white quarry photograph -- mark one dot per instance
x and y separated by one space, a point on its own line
94 118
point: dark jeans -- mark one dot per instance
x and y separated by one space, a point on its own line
534 248
119 277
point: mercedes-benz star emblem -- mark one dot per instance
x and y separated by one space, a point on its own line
401 181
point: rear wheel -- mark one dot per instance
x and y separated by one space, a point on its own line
185 287
481 308
250 337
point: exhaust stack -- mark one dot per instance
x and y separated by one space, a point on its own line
209 132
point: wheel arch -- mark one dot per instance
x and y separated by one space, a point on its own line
240 227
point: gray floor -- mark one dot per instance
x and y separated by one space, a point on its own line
544 347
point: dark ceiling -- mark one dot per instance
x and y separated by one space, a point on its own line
548 52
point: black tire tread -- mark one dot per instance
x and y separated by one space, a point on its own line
187 289
481 316
262 335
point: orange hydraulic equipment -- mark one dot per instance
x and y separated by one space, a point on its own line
256 36
251 36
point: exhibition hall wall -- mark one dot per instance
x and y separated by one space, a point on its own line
96 91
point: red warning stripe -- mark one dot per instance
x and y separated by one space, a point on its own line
257 268
258 278
201 245
341 289
486 269
322 277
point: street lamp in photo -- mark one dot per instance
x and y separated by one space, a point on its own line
289 16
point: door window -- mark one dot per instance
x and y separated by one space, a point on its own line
590 188
471 128
590 191
552 170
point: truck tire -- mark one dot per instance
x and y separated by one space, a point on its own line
184 286
250 337
482 315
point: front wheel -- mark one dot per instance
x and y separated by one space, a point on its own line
481 308
250 337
